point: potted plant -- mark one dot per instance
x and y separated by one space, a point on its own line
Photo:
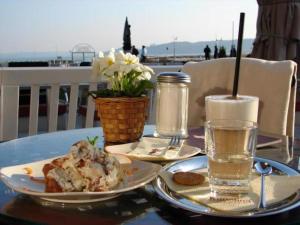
123 107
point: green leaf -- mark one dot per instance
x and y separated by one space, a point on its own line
128 85
93 140
108 93
142 87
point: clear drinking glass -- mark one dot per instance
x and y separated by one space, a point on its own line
230 146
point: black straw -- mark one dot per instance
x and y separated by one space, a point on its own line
238 55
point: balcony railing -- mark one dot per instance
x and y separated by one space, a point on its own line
55 113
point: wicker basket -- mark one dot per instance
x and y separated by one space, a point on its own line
122 118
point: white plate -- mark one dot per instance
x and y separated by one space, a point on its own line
17 178
186 151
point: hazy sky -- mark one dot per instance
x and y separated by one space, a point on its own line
58 25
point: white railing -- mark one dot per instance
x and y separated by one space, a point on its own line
53 78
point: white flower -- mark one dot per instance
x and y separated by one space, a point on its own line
101 54
102 63
147 75
110 58
95 69
120 56
137 67
126 68
131 59
148 69
115 66
112 69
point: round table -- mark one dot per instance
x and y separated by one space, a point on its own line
141 206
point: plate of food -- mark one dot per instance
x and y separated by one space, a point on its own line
85 174
154 149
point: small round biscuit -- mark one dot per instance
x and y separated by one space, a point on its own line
188 178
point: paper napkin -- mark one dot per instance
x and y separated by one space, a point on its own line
149 148
156 147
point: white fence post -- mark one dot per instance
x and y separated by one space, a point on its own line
9 112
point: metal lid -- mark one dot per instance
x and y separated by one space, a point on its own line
173 77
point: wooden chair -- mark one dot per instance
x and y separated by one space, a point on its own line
274 82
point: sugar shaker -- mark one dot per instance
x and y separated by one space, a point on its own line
172 104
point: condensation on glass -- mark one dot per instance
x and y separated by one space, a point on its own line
172 104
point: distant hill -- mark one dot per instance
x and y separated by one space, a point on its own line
166 49
195 48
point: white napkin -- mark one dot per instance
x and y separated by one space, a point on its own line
277 189
156 147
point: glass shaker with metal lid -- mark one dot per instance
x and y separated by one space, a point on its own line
172 104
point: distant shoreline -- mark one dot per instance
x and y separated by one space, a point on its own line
178 48
150 60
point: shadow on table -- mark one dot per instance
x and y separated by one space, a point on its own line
131 206
134 207
173 215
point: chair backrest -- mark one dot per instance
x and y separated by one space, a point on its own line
273 82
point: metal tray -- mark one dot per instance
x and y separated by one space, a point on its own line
201 162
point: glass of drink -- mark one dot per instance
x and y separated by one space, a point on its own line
230 146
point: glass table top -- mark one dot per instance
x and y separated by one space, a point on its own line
141 206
